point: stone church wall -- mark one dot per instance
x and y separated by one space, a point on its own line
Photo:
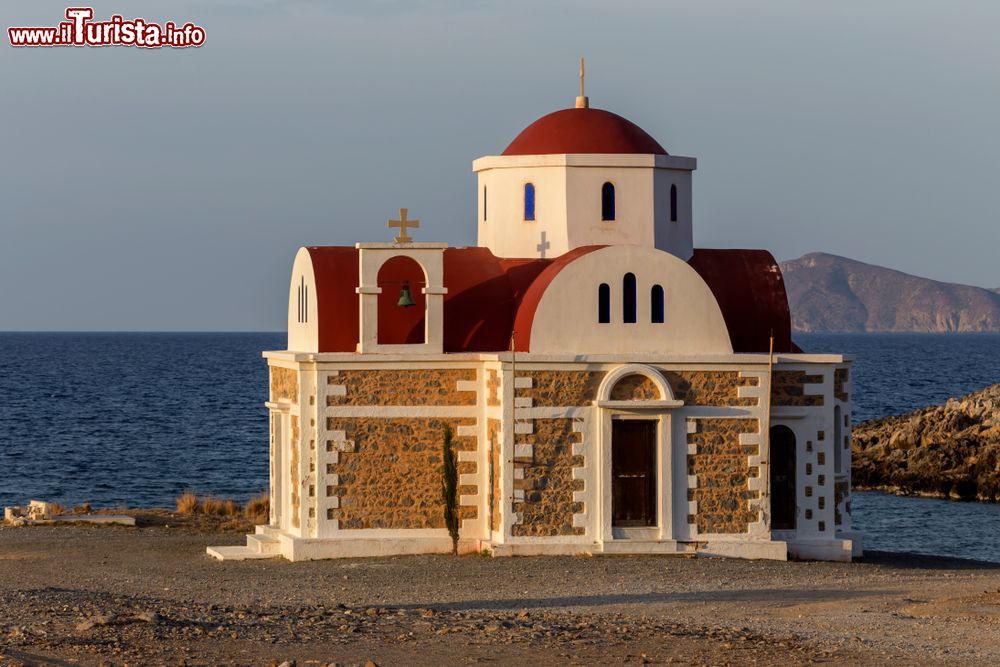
388 473
579 388
284 384
544 472
403 387
788 388
723 471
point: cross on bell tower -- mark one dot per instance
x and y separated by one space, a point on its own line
403 224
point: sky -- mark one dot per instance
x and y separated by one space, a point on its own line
168 190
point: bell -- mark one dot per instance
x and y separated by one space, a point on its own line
405 298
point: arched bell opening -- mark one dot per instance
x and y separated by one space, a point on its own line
402 305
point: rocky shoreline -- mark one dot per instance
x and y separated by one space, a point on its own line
945 451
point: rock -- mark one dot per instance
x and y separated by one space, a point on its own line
94 621
952 450
148 617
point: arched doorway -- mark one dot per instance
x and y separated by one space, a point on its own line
633 473
782 478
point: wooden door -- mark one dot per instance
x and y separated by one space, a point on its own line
633 473
782 466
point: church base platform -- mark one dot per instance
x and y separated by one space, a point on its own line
844 549
269 542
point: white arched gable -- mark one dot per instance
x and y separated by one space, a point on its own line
303 311
614 377
566 318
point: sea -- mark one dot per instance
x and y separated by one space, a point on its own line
133 419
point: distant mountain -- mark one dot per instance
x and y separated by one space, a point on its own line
831 293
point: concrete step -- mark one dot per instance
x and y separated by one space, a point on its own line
237 553
263 544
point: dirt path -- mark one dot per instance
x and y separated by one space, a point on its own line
84 595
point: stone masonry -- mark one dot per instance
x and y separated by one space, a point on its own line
402 387
284 384
722 469
579 388
492 388
389 475
710 387
546 478
493 437
788 388
840 378
558 388
635 388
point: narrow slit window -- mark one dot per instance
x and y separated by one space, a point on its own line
529 201
301 293
673 203
607 202
604 304
628 298
484 203
656 304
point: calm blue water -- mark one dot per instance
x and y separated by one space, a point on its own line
134 419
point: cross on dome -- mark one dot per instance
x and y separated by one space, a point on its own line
582 102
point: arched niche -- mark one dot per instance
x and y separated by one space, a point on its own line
636 383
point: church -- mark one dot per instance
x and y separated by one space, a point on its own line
611 388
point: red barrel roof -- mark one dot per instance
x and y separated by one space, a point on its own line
490 298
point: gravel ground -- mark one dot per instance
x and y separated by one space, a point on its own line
150 595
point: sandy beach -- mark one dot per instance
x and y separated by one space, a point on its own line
150 595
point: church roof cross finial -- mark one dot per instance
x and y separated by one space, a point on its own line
581 101
403 224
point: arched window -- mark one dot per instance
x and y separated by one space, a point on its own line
607 202
529 201
656 304
604 304
628 298
673 203
484 203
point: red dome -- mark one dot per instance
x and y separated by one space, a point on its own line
583 131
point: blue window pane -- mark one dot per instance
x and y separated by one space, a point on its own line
529 201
